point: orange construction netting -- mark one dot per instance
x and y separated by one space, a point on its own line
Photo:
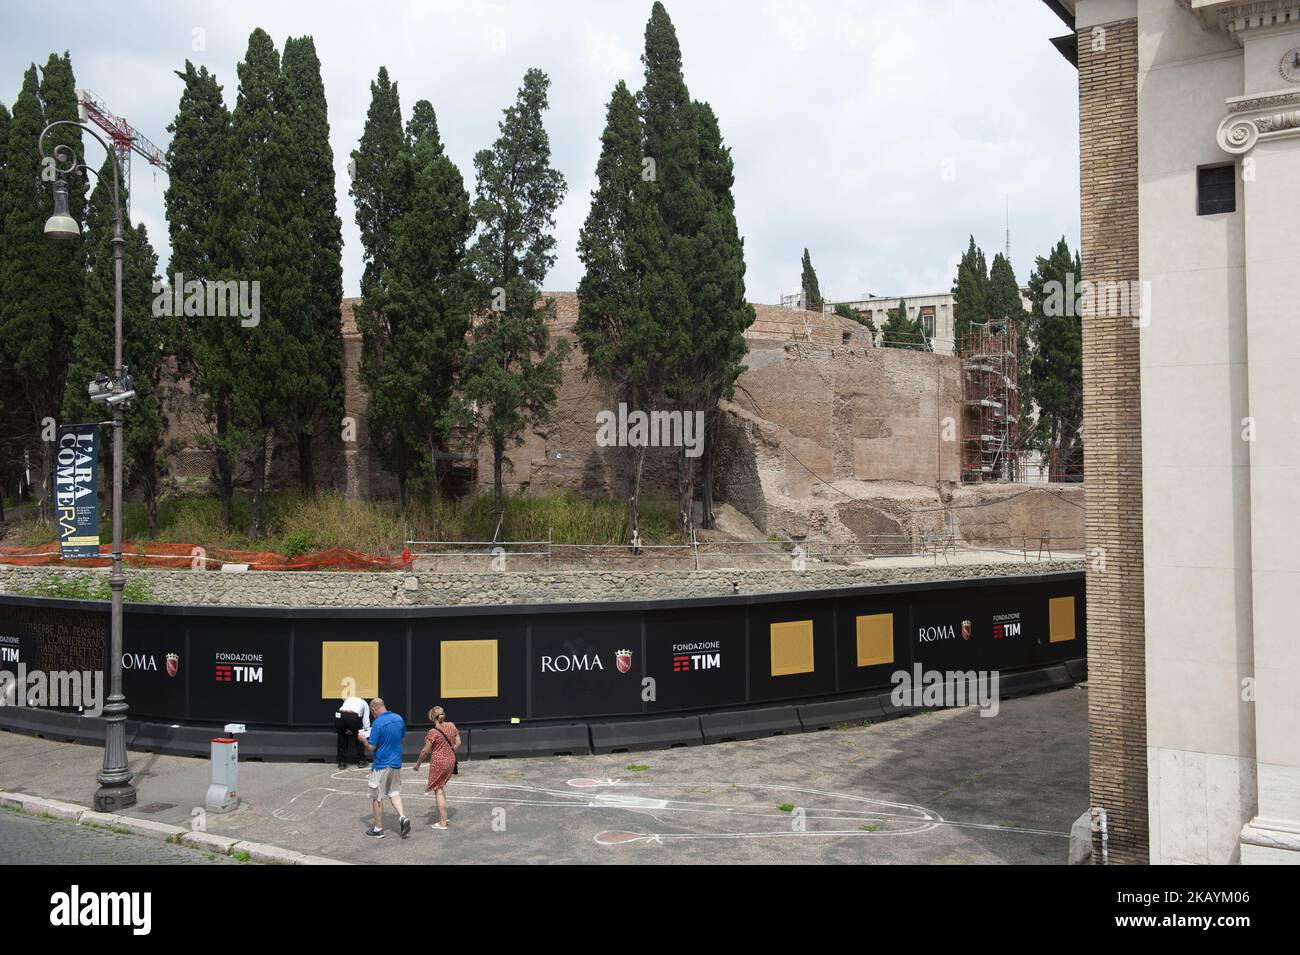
193 557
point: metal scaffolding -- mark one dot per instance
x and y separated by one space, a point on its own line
990 403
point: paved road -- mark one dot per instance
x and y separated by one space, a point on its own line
31 840
943 787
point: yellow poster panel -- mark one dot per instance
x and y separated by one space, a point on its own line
875 639
792 647
1060 619
349 668
469 669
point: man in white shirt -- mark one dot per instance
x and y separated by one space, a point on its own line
351 718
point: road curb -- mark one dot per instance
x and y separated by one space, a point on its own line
200 841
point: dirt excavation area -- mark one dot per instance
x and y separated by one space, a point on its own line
846 524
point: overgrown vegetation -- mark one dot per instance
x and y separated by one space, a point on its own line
295 524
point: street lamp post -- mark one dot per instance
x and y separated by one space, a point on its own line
115 789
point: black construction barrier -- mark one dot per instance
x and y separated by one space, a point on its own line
543 679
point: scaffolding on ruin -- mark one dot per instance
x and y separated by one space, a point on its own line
990 403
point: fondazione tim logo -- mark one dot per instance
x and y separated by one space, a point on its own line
689 657
238 668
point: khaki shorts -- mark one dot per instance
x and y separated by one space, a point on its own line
384 782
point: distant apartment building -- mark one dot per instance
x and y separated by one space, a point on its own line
934 311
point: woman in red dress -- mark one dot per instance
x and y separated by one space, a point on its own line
440 745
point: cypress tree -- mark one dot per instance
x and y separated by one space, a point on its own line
268 235
812 292
318 400
421 325
702 314
722 314
41 278
197 158
1057 361
1005 305
970 291
620 247
512 368
376 184
380 193
10 427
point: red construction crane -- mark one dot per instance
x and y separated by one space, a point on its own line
126 139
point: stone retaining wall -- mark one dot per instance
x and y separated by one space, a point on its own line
259 588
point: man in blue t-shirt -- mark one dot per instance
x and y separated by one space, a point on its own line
385 741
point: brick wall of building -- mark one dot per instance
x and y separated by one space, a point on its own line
1112 422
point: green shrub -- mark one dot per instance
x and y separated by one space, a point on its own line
89 586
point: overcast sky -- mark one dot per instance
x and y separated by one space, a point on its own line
878 134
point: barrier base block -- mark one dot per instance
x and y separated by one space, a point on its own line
750 724
646 734
563 739
822 716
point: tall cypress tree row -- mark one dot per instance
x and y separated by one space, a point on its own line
512 368
1004 304
10 447
377 187
812 292
671 141
625 262
418 333
381 193
318 401
145 341
268 232
197 158
722 315
970 291
703 327
1057 363
41 278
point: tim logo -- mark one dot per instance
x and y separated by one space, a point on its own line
8 654
1006 625
685 663
230 673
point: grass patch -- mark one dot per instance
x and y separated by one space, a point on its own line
786 807
241 855
637 767
870 828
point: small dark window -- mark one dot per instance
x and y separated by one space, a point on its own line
1216 190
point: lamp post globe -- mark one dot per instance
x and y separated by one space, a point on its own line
61 225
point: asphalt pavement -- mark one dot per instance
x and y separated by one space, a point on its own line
949 786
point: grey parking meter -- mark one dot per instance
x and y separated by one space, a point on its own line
223 790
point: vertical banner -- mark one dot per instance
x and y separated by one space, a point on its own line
76 476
